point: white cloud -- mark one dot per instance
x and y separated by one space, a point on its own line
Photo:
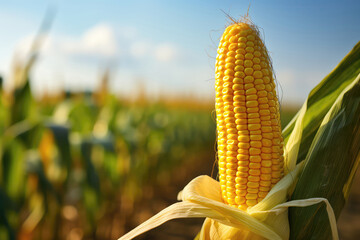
23 47
74 62
99 40
166 52
140 49
102 42
157 52
127 32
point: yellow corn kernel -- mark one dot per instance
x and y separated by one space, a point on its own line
253 190
250 146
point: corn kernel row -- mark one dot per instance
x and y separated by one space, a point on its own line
250 145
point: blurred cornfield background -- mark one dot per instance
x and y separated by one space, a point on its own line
84 161
93 165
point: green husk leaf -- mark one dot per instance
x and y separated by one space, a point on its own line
322 97
330 163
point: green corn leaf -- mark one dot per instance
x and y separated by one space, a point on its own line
61 135
31 137
91 189
6 205
13 169
1 84
23 105
92 177
35 166
82 117
323 96
106 142
26 131
331 164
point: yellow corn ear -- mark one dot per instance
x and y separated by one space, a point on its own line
250 145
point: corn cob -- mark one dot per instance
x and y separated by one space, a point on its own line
250 145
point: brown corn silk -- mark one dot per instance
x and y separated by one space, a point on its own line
250 145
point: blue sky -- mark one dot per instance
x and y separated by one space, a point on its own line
170 46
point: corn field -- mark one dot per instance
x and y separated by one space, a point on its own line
85 157
94 165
